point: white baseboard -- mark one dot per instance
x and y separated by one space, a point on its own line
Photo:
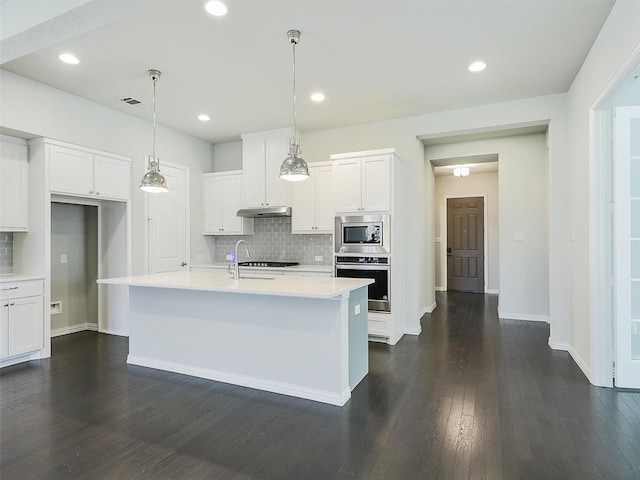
523 316
413 330
492 291
81 327
114 332
245 381
432 307
580 362
564 346
440 289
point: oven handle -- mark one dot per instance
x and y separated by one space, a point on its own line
360 266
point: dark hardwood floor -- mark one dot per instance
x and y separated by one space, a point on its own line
472 397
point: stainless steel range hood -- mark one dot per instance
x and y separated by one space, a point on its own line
261 212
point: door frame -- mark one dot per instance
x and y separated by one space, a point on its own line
443 238
187 214
602 256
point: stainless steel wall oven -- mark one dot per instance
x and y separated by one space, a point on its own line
376 268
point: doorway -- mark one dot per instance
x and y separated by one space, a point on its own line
74 268
465 244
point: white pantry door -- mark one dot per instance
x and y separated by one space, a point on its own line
167 223
627 246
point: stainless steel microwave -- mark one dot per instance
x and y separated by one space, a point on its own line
363 234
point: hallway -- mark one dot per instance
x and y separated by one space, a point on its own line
472 397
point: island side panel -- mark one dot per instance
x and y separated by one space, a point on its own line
289 345
358 336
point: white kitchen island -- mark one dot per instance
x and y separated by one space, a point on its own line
299 336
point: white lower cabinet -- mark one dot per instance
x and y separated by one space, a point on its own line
21 318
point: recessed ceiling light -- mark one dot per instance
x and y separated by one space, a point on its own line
216 8
204 118
317 96
477 66
70 59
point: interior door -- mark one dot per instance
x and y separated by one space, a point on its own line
627 246
465 244
167 223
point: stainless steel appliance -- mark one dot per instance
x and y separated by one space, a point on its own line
363 234
376 268
266 263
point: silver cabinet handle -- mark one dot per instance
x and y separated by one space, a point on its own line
91 191
12 303
6 304
9 288
97 193
183 264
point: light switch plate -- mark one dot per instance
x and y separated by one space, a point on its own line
437 239
518 237
63 258
318 258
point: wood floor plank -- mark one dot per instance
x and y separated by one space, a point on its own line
473 397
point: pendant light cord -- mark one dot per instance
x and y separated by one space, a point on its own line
295 148
154 122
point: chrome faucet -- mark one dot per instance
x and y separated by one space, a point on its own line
236 272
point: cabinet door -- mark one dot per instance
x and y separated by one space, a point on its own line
325 212
253 155
70 171
230 203
303 204
211 204
14 187
25 325
347 185
4 329
376 184
112 178
277 191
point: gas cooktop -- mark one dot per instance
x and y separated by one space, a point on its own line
259 263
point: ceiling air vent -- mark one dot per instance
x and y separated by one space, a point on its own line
131 101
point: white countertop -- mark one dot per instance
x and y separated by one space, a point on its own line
294 268
285 285
15 277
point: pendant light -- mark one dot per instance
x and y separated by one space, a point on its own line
294 168
153 181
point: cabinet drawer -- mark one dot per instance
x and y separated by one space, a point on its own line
378 327
12 290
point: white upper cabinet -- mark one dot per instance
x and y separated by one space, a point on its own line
14 185
362 184
221 200
262 155
88 174
312 201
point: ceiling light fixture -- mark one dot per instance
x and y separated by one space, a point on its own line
294 168
204 118
477 66
153 181
216 8
69 58
461 171
317 97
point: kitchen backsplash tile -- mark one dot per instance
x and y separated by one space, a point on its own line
6 253
273 241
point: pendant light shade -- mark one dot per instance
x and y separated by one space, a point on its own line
294 168
153 181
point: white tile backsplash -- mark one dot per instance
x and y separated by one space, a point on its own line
273 241
6 253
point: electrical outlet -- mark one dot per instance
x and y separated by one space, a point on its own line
318 258
63 258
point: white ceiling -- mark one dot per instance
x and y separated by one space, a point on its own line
374 60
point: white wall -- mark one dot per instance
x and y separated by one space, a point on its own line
40 110
227 156
475 184
617 43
